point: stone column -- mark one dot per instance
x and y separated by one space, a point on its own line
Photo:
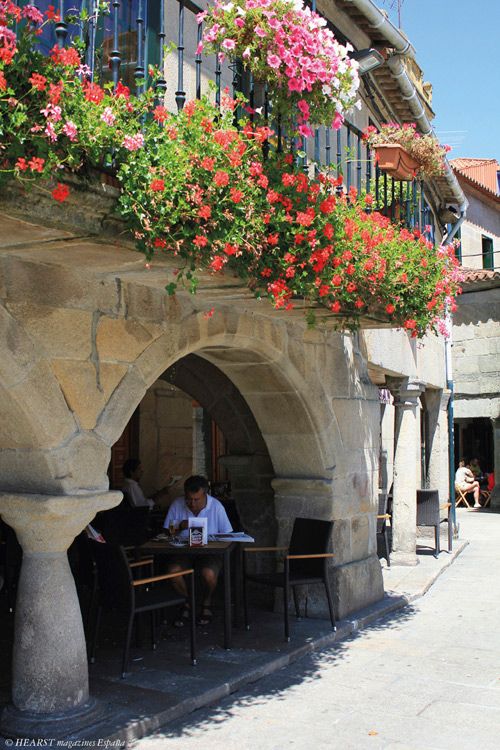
438 474
50 692
407 436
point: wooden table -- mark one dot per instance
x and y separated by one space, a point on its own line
222 549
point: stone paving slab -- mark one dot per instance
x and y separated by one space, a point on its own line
163 687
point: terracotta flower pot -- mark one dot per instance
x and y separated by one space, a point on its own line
396 161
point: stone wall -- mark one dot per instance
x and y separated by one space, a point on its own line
166 437
476 354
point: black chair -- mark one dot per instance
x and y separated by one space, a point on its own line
124 595
305 564
124 525
429 514
382 531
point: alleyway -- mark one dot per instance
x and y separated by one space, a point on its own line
427 678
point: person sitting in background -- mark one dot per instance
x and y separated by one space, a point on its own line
197 503
475 468
132 490
465 481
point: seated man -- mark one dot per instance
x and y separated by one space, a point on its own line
197 503
464 481
132 490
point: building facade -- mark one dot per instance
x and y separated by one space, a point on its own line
476 336
89 336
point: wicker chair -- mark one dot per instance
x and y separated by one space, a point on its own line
429 514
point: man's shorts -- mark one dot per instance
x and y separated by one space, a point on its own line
198 562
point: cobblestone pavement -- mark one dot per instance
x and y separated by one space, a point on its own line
426 678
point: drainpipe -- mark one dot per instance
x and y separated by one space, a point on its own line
379 21
448 343
403 48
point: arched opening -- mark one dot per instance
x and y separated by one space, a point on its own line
193 420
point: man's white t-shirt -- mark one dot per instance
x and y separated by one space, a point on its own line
214 512
134 494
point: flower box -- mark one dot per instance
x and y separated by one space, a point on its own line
396 161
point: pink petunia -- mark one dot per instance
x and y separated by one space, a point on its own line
337 121
273 61
229 44
305 130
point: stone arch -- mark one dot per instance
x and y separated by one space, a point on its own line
292 413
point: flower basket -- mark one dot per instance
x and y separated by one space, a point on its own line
396 161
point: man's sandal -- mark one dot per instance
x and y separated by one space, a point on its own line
183 616
205 617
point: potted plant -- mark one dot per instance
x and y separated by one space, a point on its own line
404 153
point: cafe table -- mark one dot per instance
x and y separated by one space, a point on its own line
164 548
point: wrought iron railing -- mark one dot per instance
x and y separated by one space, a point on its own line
134 34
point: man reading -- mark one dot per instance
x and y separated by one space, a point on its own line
197 503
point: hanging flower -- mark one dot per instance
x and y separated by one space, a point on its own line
288 46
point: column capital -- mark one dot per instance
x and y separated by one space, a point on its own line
406 391
49 523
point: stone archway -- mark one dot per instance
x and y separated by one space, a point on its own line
248 462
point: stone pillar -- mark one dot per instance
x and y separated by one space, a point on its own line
50 693
407 437
355 569
438 474
495 495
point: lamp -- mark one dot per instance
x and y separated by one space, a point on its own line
368 59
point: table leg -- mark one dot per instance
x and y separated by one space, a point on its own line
227 599
237 577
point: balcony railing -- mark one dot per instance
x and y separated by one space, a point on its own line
121 44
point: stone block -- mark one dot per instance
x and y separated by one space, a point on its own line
18 232
123 340
489 364
158 356
86 388
120 407
360 537
82 465
357 585
61 332
60 286
18 352
41 400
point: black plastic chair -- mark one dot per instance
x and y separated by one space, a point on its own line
429 514
124 525
382 532
305 564
122 594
